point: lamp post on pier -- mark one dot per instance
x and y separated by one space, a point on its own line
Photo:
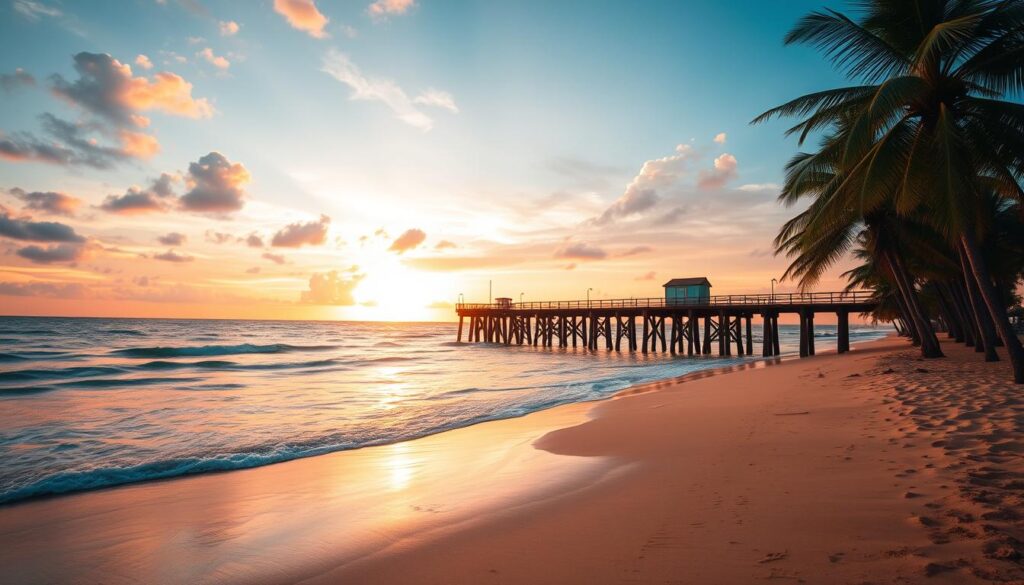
773 289
521 298
588 296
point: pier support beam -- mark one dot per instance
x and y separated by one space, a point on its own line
843 332
750 336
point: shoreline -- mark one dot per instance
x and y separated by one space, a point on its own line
385 513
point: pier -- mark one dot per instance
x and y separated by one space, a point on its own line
680 326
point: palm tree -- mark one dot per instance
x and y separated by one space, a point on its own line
928 132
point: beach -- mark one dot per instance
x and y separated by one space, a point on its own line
869 467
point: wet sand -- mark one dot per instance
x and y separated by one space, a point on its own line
870 467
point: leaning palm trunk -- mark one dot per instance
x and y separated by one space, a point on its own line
995 308
908 329
929 342
960 288
987 334
966 331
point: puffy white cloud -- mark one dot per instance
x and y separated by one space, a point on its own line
720 138
724 171
643 191
144 62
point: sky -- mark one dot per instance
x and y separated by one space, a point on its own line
376 159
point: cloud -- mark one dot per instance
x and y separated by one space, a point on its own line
144 62
106 87
642 192
407 241
37 231
720 138
437 99
216 185
228 28
303 15
670 217
217 237
254 241
445 245
275 258
637 250
74 143
172 256
295 235
52 290
48 202
52 254
381 9
216 60
580 251
755 187
20 78
34 11
724 171
328 288
647 276
364 88
155 199
172 239
253 270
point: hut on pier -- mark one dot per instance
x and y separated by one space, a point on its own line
687 291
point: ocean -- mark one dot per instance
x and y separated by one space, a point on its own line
92 403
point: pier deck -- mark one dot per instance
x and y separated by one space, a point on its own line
675 326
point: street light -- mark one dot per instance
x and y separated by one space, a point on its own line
521 298
462 298
588 296
773 289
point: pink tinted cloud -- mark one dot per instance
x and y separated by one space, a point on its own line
303 15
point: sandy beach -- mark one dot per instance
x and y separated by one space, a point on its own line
869 467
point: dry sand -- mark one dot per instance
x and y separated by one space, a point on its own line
870 467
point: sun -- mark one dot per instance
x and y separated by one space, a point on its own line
392 291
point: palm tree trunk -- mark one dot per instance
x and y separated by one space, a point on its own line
987 332
966 332
970 313
929 342
948 315
997 310
908 324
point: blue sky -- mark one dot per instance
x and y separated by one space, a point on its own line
548 109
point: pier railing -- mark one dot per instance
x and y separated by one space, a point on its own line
813 298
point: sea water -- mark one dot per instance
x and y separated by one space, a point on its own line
90 403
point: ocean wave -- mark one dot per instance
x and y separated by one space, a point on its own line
125 332
122 382
76 372
11 357
215 350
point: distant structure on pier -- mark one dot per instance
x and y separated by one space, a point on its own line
681 291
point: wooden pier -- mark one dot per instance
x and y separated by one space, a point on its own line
679 327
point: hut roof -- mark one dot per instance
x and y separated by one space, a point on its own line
687 282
